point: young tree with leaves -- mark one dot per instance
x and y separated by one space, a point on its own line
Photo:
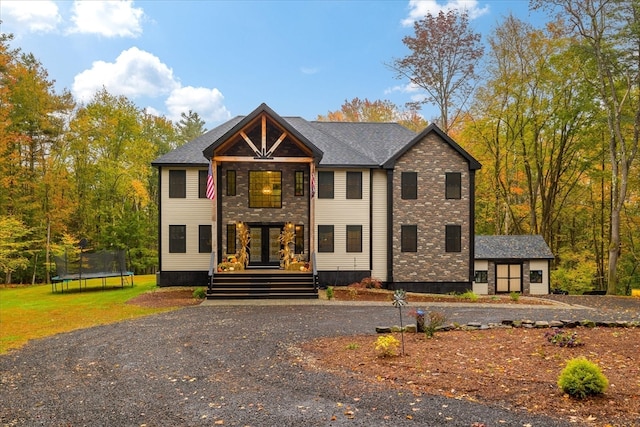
444 53
190 127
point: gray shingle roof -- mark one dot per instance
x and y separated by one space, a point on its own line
512 247
377 142
338 144
191 152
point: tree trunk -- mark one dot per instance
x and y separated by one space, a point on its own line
614 252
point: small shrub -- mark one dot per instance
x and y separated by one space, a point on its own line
330 292
435 320
582 378
352 346
563 338
367 283
515 296
386 346
371 283
469 295
199 293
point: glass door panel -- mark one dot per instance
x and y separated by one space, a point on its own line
265 245
274 245
255 244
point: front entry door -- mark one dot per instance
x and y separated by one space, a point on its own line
508 278
264 246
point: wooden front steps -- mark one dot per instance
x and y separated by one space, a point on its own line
263 284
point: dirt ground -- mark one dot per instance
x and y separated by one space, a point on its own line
513 368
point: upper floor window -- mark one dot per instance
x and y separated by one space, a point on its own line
453 238
231 183
409 238
354 185
453 185
202 183
178 183
299 183
409 185
177 239
325 185
265 189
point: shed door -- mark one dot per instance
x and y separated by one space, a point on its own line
508 278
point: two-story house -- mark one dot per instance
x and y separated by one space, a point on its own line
360 200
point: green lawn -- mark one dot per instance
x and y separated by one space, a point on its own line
30 312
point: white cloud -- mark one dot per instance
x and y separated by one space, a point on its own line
107 18
35 16
410 88
308 70
418 9
208 103
135 73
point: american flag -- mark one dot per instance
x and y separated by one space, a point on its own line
211 187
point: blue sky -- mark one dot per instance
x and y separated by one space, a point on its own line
224 58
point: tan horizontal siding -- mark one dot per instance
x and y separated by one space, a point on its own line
540 288
341 212
379 225
190 211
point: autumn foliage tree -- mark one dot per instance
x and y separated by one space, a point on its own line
363 110
442 60
609 33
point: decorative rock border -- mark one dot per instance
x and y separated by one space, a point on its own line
508 324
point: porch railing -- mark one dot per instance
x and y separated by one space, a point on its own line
212 269
315 271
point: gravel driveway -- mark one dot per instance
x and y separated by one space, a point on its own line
236 365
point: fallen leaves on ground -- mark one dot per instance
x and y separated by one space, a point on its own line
518 368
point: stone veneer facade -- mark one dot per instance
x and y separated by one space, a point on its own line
294 208
431 158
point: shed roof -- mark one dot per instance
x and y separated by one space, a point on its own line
512 247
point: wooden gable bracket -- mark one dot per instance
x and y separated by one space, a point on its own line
250 143
262 153
276 144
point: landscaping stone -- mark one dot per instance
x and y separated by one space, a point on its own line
508 323
570 323
411 329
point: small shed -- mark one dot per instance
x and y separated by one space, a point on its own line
505 264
